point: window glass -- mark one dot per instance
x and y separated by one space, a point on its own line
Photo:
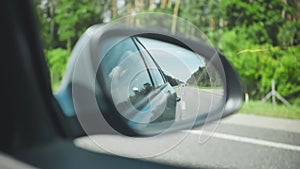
119 54
156 75
126 75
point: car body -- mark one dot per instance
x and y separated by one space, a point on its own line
148 86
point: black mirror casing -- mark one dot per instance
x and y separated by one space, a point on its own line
102 37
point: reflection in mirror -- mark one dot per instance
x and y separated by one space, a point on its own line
195 80
155 83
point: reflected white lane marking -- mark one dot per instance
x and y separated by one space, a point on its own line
182 104
249 140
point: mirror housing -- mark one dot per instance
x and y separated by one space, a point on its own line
79 82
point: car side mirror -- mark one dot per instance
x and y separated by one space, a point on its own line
144 82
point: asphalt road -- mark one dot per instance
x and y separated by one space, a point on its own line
237 146
195 100
242 141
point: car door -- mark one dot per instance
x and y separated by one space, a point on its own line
140 93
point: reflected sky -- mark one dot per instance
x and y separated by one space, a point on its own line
174 60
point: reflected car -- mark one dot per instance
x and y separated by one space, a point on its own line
141 93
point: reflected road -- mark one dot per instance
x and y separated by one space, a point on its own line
195 100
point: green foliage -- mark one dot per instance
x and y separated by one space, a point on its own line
242 12
57 60
267 109
288 71
205 14
289 33
200 78
259 64
261 38
73 18
44 13
253 29
246 65
267 14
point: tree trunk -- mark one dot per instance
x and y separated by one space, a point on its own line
175 13
114 8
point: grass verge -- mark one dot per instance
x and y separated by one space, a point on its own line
268 109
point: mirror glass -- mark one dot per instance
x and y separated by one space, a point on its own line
153 83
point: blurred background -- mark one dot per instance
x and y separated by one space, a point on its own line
261 38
